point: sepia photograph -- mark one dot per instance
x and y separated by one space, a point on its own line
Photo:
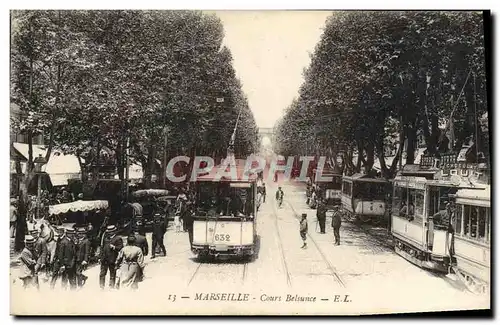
223 162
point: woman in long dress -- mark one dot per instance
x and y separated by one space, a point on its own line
130 262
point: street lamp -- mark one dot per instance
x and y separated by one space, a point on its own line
39 162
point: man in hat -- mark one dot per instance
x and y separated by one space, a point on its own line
28 263
65 259
55 266
188 220
159 230
82 255
13 217
336 222
140 237
111 245
321 215
40 251
303 229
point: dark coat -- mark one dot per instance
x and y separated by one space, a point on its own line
336 220
321 211
109 255
159 229
83 251
187 217
142 243
66 254
41 252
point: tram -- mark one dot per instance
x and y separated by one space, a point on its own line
329 191
225 214
364 198
423 194
472 226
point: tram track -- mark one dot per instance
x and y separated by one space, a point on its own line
333 272
200 265
280 245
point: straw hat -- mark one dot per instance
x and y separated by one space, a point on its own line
81 230
111 228
29 239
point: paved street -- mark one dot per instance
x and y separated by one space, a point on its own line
363 267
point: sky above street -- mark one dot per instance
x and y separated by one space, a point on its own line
270 50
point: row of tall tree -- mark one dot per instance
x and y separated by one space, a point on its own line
153 82
379 78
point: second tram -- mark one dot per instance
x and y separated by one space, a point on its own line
365 199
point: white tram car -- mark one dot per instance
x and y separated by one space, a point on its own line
420 193
225 215
364 198
472 240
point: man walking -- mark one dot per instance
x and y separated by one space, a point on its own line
188 221
303 229
82 256
159 230
336 222
67 259
28 263
263 192
111 245
321 215
279 196
140 237
40 253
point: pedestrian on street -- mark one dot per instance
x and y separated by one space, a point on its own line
55 263
303 229
279 196
188 221
28 263
263 192
336 222
66 258
321 215
82 256
13 218
140 238
159 230
111 245
41 254
130 262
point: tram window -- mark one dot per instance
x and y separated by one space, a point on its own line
419 202
399 197
482 223
458 219
470 221
488 224
347 189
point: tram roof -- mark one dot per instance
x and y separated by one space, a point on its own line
358 177
476 197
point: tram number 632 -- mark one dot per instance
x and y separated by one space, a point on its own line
222 237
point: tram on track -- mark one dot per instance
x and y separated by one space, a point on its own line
328 191
423 203
364 199
472 238
225 214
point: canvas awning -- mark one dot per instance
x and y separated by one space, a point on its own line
60 167
78 206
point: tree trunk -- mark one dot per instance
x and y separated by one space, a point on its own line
411 135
